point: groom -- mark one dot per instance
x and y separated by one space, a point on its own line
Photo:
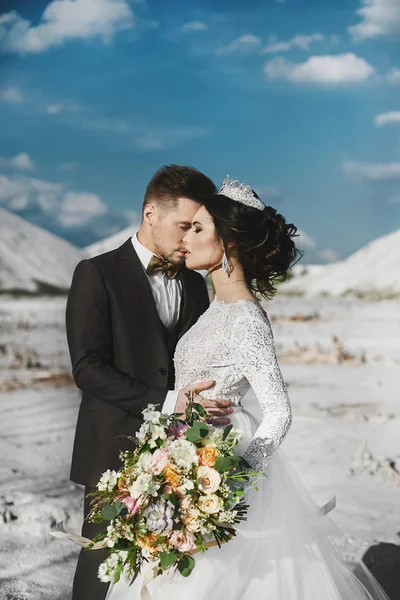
126 310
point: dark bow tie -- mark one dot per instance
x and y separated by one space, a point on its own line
158 264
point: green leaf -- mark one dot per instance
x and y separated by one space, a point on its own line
111 511
199 409
226 431
222 464
167 559
197 432
173 498
186 565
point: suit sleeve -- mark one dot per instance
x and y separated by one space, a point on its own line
90 343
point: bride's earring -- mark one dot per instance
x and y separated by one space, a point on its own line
226 267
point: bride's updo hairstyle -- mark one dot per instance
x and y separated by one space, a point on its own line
261 240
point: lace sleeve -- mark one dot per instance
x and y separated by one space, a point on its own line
257 362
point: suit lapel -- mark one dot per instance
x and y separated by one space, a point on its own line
140 288
188 304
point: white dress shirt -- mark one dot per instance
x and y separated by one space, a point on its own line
167 294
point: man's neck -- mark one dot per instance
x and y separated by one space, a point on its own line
143 239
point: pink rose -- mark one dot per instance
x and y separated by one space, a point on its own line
159 460
209 479
184 542
186 503
131 504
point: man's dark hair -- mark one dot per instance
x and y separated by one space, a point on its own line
173 181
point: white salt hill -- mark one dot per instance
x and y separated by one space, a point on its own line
33 259
110 243
374 269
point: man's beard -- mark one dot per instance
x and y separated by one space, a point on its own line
169 256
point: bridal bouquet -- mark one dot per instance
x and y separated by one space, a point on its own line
179 492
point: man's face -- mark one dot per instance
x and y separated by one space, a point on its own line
169 227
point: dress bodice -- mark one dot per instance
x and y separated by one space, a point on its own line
232 344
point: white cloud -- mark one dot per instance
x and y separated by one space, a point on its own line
79 209
68 208
378 17
11 95
194 26
327 70
132 217
394 200
386 118
269 193
242 44
21 161
67 166
64 20
54 109
18 203
393 76
298 41
24 191
328 255
373 171
142 136
312 251
162 138
304 240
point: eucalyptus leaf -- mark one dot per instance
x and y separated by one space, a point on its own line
186 565
111 511
222 464
167 559
197 432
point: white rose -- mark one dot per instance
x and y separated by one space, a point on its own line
210 504
209 478
183 453
144 484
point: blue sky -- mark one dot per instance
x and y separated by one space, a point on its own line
300 99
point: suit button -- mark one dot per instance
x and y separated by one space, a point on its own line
162 371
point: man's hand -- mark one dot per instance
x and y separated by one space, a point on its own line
216 409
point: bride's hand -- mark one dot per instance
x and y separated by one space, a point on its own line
218 410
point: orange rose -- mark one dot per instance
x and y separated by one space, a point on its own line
147 541
172 476
208 455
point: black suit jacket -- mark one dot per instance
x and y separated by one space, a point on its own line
121 353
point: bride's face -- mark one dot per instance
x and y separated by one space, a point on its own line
204 251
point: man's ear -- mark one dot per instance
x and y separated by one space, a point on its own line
149 213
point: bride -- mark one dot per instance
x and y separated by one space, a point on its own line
288 549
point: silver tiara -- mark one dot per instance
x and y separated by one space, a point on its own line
240 192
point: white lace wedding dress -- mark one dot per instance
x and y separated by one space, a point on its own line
286 549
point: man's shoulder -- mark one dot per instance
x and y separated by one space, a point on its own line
107 258
195 281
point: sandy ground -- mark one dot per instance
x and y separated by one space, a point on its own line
344 439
